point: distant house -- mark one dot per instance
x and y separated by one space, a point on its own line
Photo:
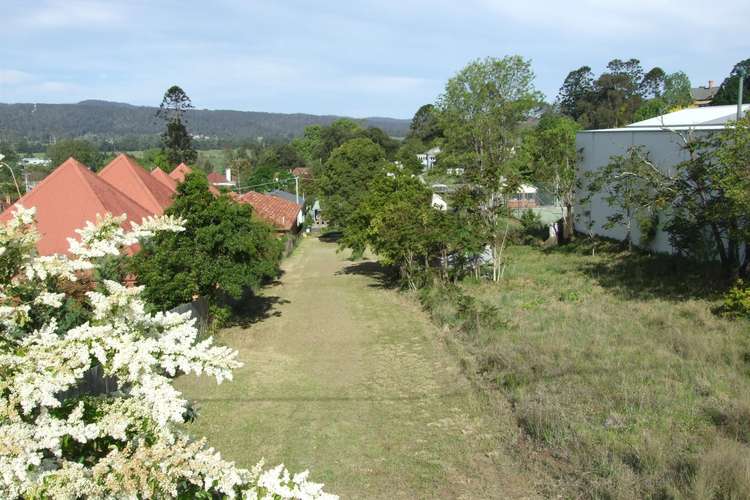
219 180
429 157
68 198
181 171
34 162
525 198
302 173
282 214
702 96
137 183
298 200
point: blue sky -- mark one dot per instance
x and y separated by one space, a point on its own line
357 58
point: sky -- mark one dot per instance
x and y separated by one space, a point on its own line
354 58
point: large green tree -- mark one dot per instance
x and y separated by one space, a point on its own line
556 161
425 126
729 89
223 249
346 177
177 143
80 149
482 111
621 94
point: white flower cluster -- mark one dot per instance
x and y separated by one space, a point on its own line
60 441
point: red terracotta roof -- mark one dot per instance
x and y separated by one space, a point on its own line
303 172
279 212
161 176
129 177
69 197
180 172
217 178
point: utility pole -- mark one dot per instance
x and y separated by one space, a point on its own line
296 189
742 73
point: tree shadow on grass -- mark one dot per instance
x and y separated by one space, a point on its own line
639 275
252 308
330 237
383 276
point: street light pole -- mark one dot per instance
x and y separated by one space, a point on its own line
742 73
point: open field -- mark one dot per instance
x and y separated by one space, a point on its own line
352 380
625 382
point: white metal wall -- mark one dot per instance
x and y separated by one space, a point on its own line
665 150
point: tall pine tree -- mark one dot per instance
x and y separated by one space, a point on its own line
176 142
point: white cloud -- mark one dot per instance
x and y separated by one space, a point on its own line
384 83
73 13
53 87
13 77
629 19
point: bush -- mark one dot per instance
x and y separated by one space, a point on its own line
532 228
736 301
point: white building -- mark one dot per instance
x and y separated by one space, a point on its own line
661 137
439 203
429 157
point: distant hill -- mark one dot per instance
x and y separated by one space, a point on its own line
41 122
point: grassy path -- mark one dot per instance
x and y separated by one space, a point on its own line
353 382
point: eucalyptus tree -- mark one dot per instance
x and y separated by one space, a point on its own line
482 112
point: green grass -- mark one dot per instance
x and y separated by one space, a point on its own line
624 381
352 381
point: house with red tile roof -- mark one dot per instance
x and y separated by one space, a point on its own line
280 213
181 171
302 173
68 198
163 177
220 180
129 177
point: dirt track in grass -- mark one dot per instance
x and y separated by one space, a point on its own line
352 381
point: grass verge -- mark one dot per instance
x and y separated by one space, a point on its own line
624 381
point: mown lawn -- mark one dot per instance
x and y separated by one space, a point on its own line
624 381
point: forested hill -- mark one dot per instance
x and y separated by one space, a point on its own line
41 122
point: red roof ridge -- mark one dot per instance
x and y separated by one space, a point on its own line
157 194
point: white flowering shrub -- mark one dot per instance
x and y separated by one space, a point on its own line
60 440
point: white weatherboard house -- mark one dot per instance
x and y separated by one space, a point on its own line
660 137
429 157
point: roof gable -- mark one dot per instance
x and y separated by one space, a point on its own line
180 172
161 176
69 197
129 177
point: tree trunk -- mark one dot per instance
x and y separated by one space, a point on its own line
568 223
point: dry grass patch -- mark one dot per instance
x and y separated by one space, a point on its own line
616 368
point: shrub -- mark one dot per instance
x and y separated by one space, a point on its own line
59 438
222 250
736 301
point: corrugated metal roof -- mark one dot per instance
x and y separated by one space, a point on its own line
704 118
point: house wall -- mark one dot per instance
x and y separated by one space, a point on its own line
597 147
